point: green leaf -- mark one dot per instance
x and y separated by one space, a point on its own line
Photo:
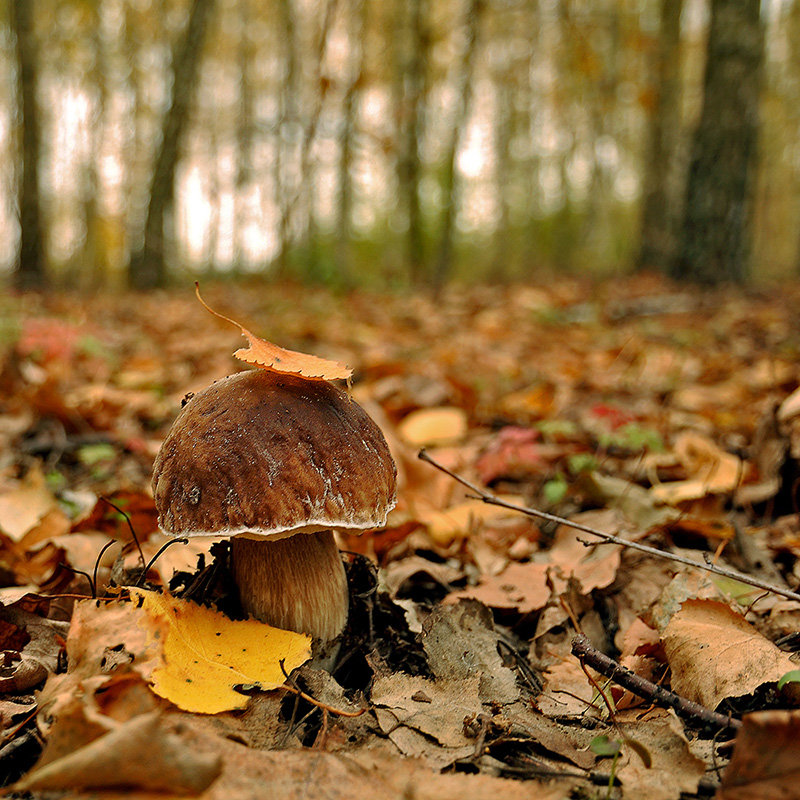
555 490
581 462
91 454
605 747
790 677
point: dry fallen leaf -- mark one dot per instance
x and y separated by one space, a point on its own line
464 518
520 586
25 505
710 469
205 654
672 770
766 759
433 426
265 355
143 753
715 653
34 645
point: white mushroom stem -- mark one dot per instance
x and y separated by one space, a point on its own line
297 583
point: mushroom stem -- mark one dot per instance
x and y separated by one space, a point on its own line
297 583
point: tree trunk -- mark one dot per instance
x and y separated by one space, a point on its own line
148 267
287 116
718 217
245 127
344 206
450 186
410 90
659 218
30 274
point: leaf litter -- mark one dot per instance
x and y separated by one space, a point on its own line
676 428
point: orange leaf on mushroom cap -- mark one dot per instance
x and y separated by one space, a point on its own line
268 356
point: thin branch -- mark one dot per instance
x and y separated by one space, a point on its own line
489 498
641 687
291 687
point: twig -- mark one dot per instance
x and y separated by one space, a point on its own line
613 670
290 687
489 498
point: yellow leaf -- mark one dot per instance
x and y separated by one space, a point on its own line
266 355
204 654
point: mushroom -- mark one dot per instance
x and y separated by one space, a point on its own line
278 462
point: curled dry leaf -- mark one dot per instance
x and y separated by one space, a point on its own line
205 654
34 644
710 469
142 753
766 761
658 763
715 653
265 355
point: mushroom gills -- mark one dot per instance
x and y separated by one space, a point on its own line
297 583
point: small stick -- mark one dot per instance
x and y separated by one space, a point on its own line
290 687
493 500
613 670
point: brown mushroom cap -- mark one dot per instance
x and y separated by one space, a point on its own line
270 454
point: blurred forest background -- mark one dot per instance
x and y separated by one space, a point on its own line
397 142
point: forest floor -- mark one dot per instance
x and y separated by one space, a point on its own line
473 662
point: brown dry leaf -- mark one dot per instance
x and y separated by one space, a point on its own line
766 759
143 753
265 355
594 566
566 691
25 505
376 772
520 586
205 654
715 653
433 426
105 644
445 634
435 709
710 469
673 770
462 519
38 643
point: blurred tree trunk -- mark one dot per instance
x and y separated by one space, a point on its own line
504 173
287 117
30 273
659 218
601 102
245 125
715 239
95 259
411 76
148 267
344 206
450 184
